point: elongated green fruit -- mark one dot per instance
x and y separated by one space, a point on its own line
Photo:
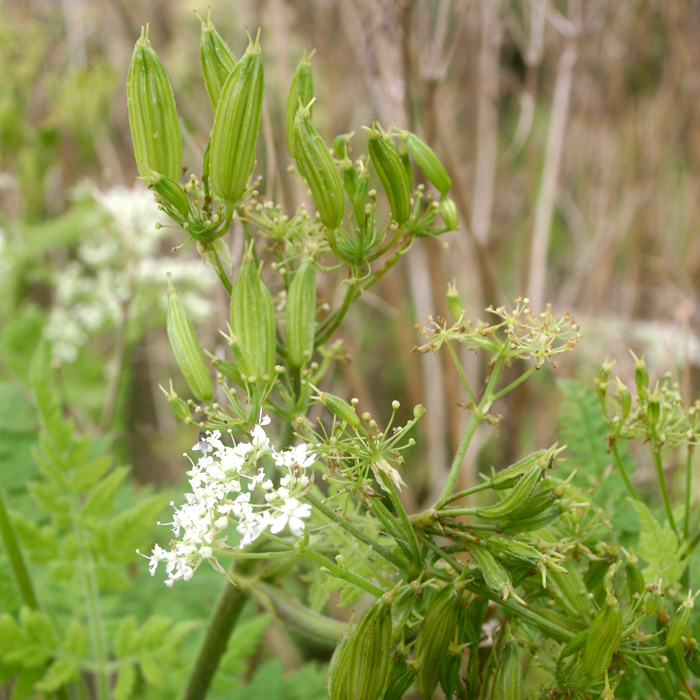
301 315
681 621
519 494
603 639
429 163
359 200
513 551
186 348
236 125
317 166
509 476
218 61
448 212
508 681
495 576
253 319
392 175
301 88
171 195
155 130
692 660
340 408
434 636
338 670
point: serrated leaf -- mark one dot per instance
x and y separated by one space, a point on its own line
268 682
41 543
243 643
99 500
59 673
350 594
307 683
318 595
125 637
126 681
658 547
48 499
24 684
76 641
17 415
89 474
11 636
112 578
152 672
62 571
153 631
181 630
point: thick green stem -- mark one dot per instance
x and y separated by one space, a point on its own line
688 486
664 491
14 555
334 320
221 273
403 517
462 376
227 610
340 572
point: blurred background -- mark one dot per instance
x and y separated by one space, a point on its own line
571 131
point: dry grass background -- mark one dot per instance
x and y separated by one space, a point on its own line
571 131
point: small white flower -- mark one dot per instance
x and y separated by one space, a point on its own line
292 512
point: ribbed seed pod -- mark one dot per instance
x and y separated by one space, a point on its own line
301 315
340 408
521 524
510 475
680 623
495 576
676 659
236 126
186 348
429 163
392 175
520 493
434 636
172 196
177 405
369 662
448 212
350 179
692 660
451 664
338 670
508 681
253 319
218 61
301 88
401 680
635 580
603 639
317 166
155 130
359 200
513 551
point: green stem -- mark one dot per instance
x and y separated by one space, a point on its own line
664 490
462 376
92 600
463 494
387 519
459 456
403 517
339 572
688 485
515 383
227 610
333 321
623 472
332 515
221 273
14 555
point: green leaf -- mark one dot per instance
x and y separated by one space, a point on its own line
24 685
243 643
61 570
112 578
152 672
17 415
76 641
268 682
99 500
38 628
659 548
60 672
307 683
89 474
11 636
125 637
126 681
49 500
153 631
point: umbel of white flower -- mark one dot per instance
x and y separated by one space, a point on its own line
228 486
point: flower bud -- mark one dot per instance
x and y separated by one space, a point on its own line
301 315
680 622
429 163
653 408
641 375
217 59
341 409
448 212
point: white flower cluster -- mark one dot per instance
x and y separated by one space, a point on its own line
120 259
228 485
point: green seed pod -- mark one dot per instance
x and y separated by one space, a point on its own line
450 666
317 166
341 409
495 576
635 580
406 162
454 303
392 174
338 670
576 643
253 319
155 130
641 375
448 212
692 660
350 178
519 494
680 623
359 201
370 659
301 88
509 476
476 614
625 398
508 681
172 196
186 348
218 61
521 524
236 126
301 315
572 591
429 163
660 680
595 574
676 659
178 406
402 677
513 551
603 639
434 637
